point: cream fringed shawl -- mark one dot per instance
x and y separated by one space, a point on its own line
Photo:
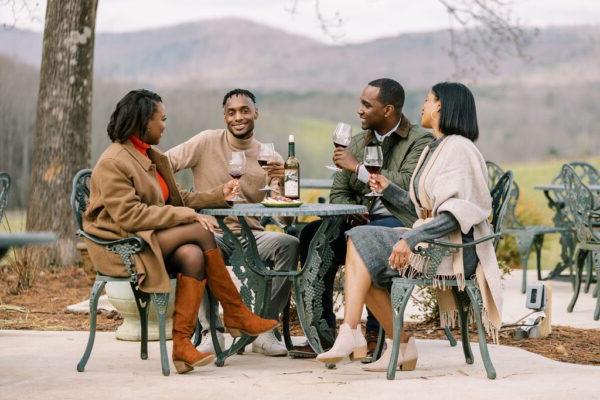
454 180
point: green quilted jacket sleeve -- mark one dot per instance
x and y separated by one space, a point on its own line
343 189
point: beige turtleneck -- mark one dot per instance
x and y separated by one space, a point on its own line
207 154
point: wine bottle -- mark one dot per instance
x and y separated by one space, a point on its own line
291 174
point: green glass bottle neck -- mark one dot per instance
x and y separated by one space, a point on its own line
291 149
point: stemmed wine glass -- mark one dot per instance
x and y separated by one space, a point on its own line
237 167
266 154
373 162
342 135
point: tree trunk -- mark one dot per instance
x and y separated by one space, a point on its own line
63 125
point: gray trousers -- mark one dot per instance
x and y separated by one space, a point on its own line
279 248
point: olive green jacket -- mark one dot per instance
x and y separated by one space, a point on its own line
348 189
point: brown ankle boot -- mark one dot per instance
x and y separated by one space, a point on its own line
236 316
187 301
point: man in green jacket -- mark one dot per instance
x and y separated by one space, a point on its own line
401 142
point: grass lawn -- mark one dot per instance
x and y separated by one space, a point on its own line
527 175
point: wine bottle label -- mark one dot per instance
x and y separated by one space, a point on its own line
290 183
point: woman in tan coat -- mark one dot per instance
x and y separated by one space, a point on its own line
133 192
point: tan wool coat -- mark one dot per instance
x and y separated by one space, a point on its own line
126 200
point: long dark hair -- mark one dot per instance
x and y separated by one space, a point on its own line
132 114
458 115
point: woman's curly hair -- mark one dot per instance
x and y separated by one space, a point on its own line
132 114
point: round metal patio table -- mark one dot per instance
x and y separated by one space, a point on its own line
256 275
552 194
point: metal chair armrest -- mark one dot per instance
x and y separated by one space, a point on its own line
462 245
137 242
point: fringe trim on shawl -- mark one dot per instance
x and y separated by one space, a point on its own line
448 312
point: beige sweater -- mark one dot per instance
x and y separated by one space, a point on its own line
207 154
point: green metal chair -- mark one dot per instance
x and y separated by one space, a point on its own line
469 298
494 173
4 190
581 210
528 237
589 175
126 249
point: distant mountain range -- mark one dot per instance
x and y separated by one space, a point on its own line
549 107
225 53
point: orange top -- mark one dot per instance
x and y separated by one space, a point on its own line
143 147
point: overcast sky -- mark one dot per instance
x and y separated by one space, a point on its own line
363 19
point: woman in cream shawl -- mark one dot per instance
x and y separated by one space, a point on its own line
449 195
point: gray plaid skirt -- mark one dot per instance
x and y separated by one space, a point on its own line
374 245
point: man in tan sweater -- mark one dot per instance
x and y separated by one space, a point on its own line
207 154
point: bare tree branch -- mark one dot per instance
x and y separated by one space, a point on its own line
17 7
482 32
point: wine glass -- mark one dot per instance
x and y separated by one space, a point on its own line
237 166
266 154
342 135
373 162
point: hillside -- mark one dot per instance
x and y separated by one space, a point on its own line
233 52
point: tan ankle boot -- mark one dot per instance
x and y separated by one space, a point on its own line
236 316
407 358
349 342
187 301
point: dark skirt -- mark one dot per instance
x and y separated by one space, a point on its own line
375 243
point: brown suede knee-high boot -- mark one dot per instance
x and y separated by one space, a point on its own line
187 301
236 316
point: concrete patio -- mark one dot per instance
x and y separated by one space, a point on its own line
41 365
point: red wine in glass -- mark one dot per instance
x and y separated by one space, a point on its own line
236 174
373 169
340 146
262 163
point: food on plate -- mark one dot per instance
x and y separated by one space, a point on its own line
280 200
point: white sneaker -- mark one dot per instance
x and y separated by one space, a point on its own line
267 344
206 345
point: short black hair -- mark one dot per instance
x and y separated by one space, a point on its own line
132 114
390 93
239 92
458 115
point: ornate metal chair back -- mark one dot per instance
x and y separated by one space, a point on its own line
4 188
579 201
501 195
80 195
494 173
586 172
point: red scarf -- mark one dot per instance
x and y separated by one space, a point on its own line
143 147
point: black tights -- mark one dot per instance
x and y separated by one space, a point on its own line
183 249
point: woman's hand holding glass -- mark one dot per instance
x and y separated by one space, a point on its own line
400 255
378 183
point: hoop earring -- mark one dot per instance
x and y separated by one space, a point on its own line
431 114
